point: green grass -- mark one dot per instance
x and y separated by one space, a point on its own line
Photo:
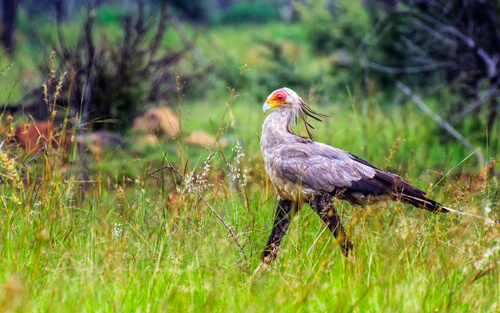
132 242
142 244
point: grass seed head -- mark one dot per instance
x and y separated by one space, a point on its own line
9 170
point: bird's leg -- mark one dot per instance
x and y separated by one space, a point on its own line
323 205
281 222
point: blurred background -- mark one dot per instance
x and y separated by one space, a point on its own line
360 61
131 177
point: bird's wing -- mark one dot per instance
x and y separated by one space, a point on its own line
321 167
326 169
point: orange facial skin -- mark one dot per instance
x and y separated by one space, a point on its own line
278 97
275 99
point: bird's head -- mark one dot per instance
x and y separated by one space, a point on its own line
286 98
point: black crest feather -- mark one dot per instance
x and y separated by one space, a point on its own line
304 111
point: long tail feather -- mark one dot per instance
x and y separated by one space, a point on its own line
417 198
384 183
424 203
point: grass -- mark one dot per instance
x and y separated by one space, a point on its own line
134 242
142 244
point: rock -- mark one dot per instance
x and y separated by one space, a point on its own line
160 121
101 140
144 141
34 136
202 138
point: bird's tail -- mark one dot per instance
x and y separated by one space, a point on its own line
408 193
419 199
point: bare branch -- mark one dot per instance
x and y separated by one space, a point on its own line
445 125
431 31
184 38
160 31
413 46
227 226
490 94
408 70
490 62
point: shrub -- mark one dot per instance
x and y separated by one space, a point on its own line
112 79
331 26
254 12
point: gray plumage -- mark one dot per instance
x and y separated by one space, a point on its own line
300 168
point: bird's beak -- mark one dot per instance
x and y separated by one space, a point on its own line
267 106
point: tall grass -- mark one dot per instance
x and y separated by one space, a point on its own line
188 237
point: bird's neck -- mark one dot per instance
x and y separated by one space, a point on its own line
277 128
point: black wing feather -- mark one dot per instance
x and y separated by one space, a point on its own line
388 184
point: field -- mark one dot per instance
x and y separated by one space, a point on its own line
145 237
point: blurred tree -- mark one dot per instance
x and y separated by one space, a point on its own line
193 10
455 41
249 12
9 13
331 25
224 4
36 8
451 47
113 80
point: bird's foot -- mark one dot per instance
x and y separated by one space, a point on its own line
351 258
259 271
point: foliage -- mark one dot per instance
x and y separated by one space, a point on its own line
194 10
282 72
118 79
248 12
443 47
334 25
121 239
112 79
445 44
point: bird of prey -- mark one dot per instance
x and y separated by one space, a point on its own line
305 171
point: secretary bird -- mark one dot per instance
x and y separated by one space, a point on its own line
305 171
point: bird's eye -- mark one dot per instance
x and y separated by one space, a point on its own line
279 97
